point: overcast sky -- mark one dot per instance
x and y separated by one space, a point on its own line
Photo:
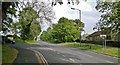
89 16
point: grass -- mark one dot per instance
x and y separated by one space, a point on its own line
19 41
108 51
30 41
112 51
8 54
0 53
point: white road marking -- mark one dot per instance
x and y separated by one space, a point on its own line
48 49
109 61
88 55
105 55
99 58
63 55
71 59
40 57
64 59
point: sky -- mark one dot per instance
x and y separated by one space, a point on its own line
89 15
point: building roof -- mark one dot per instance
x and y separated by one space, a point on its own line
97 33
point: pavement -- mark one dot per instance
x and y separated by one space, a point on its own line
44 53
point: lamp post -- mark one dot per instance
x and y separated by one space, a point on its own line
79 12
79 18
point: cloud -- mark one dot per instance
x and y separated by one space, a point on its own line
84 6
90 18
89 15
66 11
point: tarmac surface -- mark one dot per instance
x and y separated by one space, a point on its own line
44 53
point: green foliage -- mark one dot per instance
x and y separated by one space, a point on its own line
110 19
35 29
9 54
65 31
20 41
47 35
8 8
27 13
29 26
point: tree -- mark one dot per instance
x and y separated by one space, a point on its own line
30 13
110 19
47 35
27 16
64 31
79 25
8 10
54 2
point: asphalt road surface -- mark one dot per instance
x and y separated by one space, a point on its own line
53 54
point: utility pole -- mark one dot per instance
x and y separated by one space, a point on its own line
79 19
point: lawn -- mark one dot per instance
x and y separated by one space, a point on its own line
8 54
19 41
112 51
0 53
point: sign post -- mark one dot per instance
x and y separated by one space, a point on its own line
104 40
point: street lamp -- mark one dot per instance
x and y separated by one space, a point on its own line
79 18
79 12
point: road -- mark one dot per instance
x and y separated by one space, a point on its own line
62 55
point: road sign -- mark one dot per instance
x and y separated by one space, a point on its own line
104 40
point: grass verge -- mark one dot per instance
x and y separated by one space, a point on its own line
19 41
0 53
111 51
8 54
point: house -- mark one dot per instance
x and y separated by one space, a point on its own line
83 37
96 36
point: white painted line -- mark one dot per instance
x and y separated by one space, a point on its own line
65 59
63 55
103 55
109 61
98 58
88 55
47 49
71 59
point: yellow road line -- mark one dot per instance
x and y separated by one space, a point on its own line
41 58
